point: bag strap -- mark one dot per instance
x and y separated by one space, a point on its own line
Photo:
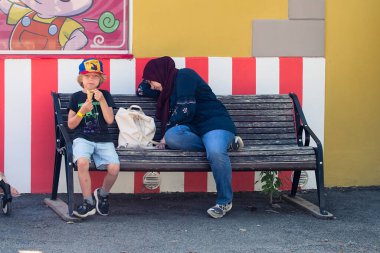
135 108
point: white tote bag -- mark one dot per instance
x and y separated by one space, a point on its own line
136 130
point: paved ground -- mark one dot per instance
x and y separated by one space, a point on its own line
179 223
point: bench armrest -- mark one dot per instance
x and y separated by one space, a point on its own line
302 125
64 141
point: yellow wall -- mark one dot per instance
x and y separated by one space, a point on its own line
199 27
352 140
224 28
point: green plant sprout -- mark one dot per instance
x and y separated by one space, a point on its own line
270 183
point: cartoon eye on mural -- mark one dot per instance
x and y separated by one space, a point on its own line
64 26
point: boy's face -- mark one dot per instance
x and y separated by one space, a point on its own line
90 81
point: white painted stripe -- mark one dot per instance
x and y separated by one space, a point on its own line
180 62
211 186
124 183
267 75
258 184
62 179
220 75
62 186
172 182
17 133
67 75
313 101
311 182
123 76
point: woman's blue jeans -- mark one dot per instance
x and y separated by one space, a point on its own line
216 143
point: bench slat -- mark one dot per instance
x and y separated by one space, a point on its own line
204 166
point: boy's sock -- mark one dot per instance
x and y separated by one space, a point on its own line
89 200
103 193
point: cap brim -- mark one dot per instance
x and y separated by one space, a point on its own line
86 72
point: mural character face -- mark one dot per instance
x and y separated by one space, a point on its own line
58 8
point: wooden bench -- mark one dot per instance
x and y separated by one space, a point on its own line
273 127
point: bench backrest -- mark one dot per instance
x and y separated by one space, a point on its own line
259 119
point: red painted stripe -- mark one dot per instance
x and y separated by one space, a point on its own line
97 178
106 69
2 90
44 80
291 76
196 181
140 65
199 64
243 83
243 76
290 81
138 184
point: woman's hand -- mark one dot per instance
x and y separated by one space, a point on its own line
162 144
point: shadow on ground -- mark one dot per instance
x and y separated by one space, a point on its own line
178 223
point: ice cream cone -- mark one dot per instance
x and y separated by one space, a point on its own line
90 94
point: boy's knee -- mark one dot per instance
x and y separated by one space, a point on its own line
83 164
113 169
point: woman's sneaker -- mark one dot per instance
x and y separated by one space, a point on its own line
218 211
102 204
84 210
237 144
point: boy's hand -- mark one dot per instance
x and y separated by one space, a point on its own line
86 107
98 95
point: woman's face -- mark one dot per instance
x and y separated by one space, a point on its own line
155 85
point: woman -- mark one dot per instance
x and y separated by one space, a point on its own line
193 119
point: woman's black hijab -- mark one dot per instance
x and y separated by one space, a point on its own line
162 70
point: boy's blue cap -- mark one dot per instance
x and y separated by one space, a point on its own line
91 65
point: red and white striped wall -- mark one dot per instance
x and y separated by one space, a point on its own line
27 138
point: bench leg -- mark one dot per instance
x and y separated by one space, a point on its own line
321 191
57 171
296 179
320 184
70 184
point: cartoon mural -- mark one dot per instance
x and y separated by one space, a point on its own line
63 25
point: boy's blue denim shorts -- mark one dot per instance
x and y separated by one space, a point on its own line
103 153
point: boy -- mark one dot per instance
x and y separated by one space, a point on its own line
90 113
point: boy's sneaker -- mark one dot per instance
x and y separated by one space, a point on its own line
237 144
84 210
218 211
102 204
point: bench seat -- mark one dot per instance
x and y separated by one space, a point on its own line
250 158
